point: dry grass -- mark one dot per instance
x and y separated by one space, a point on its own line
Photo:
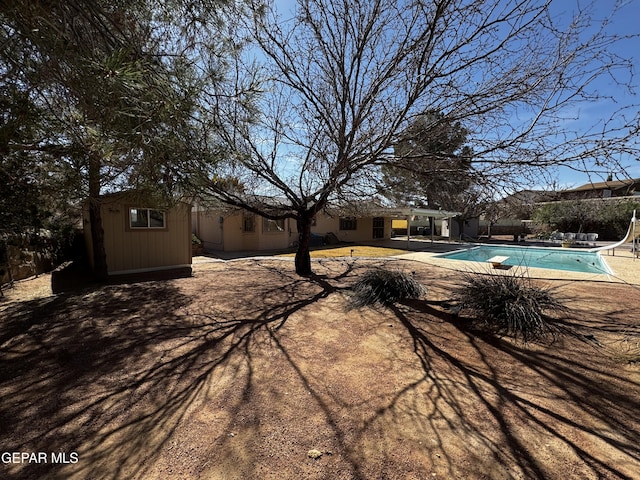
351 251
627 350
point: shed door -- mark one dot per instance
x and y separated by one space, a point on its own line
378 227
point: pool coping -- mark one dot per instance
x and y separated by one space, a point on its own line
607 268
624 268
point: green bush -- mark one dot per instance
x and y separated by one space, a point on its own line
609 218
509 305
385 287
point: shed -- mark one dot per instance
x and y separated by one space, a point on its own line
140 237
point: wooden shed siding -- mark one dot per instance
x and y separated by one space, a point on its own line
132 250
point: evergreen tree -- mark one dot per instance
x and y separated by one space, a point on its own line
118 87
431 165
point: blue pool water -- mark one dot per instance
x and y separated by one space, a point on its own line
553 258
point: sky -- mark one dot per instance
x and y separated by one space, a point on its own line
624 22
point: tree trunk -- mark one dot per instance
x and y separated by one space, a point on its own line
95 219
303 258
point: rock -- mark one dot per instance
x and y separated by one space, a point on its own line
315 454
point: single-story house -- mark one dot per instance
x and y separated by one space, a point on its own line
607 189
140 237
240 230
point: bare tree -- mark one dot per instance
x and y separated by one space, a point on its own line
341 80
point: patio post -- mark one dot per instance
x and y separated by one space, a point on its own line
432 226
633 237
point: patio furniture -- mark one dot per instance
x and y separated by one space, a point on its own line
591 239
557 237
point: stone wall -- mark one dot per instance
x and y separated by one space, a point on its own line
20 264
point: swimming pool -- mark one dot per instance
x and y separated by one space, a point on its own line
552 258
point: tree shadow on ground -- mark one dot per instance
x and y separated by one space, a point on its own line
110 373
540 397
119 373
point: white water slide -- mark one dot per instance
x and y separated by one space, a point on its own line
631 235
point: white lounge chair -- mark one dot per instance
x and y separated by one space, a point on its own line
557 237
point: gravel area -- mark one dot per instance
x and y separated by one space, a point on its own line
247 371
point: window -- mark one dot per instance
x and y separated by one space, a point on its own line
248 222
348 223
146 218
272 225
378 227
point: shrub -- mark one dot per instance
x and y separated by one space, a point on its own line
627 350
386 287
509 305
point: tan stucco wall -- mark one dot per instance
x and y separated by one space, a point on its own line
208 227
275 240
363 233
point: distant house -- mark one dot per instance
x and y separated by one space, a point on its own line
528 197
240 230
607 189
140 237
511 215
516 209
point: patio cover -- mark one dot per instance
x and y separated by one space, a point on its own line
416 212
410 212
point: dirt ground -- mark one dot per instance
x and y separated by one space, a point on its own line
244 369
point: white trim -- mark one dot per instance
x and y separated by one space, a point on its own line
420 212
150 269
